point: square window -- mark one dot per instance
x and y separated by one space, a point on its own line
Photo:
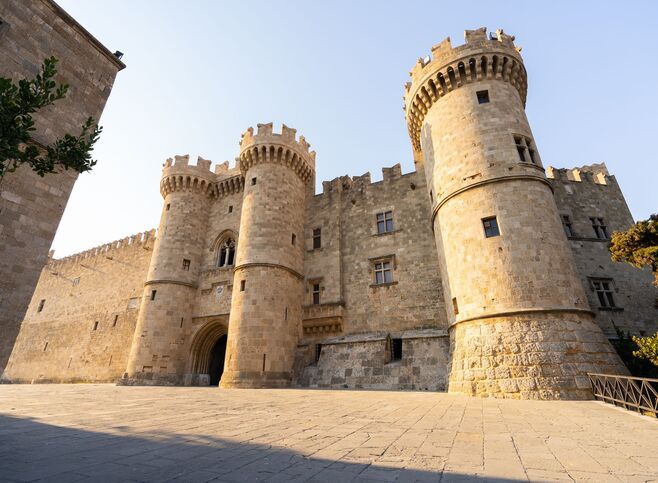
317 238
604 290
186 264
383 272
483 97
599 227
385 222
490 227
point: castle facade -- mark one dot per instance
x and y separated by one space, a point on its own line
482 272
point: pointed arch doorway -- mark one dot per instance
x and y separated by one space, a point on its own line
208 351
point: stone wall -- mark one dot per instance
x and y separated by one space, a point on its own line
590 191
364 362
31 206
80 323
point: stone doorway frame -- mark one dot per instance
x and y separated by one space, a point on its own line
200 354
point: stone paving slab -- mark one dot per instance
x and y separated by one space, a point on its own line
106 433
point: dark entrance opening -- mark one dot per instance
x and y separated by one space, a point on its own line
216 367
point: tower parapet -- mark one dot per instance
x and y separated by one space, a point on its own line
448 68
267 146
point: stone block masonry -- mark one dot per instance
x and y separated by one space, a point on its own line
256 281
31 206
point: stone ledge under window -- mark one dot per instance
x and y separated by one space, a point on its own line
387 232
589 239
611 309
385 284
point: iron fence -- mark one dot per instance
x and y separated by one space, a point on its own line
633 393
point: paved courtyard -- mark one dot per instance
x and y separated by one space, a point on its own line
108 433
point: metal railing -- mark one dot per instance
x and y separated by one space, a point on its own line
633 393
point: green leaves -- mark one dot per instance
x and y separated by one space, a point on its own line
638 245
17 104
647 348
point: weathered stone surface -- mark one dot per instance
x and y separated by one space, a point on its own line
521 324
101 432
31 206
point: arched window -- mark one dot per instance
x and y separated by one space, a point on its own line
226 255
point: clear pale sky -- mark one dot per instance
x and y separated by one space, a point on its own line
200 72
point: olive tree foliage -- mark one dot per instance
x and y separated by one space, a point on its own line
638 245
18 102
647 348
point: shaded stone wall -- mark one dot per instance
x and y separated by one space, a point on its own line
30 206
84 329
364 362
590 191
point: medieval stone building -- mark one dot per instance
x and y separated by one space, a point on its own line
480 272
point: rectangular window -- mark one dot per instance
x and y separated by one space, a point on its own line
293 239
116 319
230 209
253 181
316 294
604 292
186 264
600 230
153 292
317 238
383 272
396 349
455 307
96 325
525 148
385 222
45 347
243 284
568 227
318 352
490 227
41 304
483 97
76 281
168 206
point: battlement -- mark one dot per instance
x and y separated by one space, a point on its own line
363 182
593 173
178 174
448 68
108 250
282 148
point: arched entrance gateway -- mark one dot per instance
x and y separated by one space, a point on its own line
207 353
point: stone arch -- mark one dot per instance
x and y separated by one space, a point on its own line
201 349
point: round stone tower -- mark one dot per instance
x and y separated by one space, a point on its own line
520 323
266 308
157 354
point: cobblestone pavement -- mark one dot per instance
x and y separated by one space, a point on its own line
108 433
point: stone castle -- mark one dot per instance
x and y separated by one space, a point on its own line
481 272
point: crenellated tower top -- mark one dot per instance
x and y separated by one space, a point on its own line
267 146
448 68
